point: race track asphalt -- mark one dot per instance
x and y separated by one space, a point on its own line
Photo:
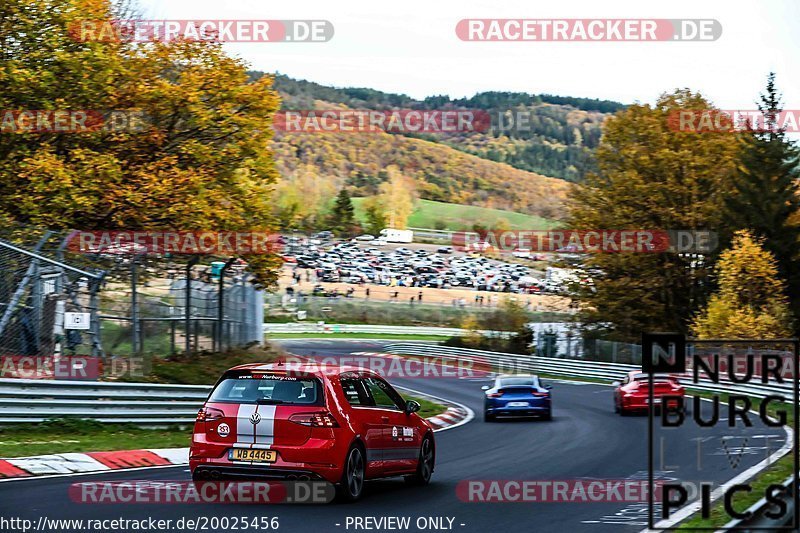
585 440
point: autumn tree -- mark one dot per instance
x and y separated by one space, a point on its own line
375 214
751 302
302 198
397 197
651 176
195 159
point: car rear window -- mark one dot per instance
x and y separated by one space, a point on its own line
517 382
268 388
657 378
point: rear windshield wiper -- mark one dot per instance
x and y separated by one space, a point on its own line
268 401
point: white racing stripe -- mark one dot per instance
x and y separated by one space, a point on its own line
245 436
265 430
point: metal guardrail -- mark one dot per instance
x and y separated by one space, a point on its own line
306 327
25 400
582 368
31 400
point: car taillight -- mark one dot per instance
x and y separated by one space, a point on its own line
541 393
317 420
494 394
207 414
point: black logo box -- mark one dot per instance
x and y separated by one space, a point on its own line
672 359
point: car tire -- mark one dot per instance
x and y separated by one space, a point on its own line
487 417
351 487
425 464
548 416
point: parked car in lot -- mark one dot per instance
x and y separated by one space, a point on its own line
270 422
632 394
515 396
365 237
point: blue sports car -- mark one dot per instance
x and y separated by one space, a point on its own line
515 395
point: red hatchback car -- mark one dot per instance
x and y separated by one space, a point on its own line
342 426
633 393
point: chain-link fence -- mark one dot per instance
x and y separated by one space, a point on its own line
54 300
47 306
190 309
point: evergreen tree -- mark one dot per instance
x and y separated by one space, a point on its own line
343 218
765 191
751 302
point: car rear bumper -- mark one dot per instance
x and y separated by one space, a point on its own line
640 403
244 471
530 410
316 459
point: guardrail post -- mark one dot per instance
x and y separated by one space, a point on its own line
135 324
188 305
221 304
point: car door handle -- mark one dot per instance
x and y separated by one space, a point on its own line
384 419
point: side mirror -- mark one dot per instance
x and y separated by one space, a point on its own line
412 407
615 384
485 387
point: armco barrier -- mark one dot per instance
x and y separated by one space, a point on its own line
32 400
26 401
579 368
306 327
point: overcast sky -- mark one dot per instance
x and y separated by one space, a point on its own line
410 47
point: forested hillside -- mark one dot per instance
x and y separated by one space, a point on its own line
557 140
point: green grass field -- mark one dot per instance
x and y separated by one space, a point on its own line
454 217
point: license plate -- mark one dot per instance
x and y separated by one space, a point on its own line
518 404
655 401
256 456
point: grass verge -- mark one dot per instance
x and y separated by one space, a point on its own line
68 435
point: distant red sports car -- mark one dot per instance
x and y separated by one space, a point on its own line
633 393
343 426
